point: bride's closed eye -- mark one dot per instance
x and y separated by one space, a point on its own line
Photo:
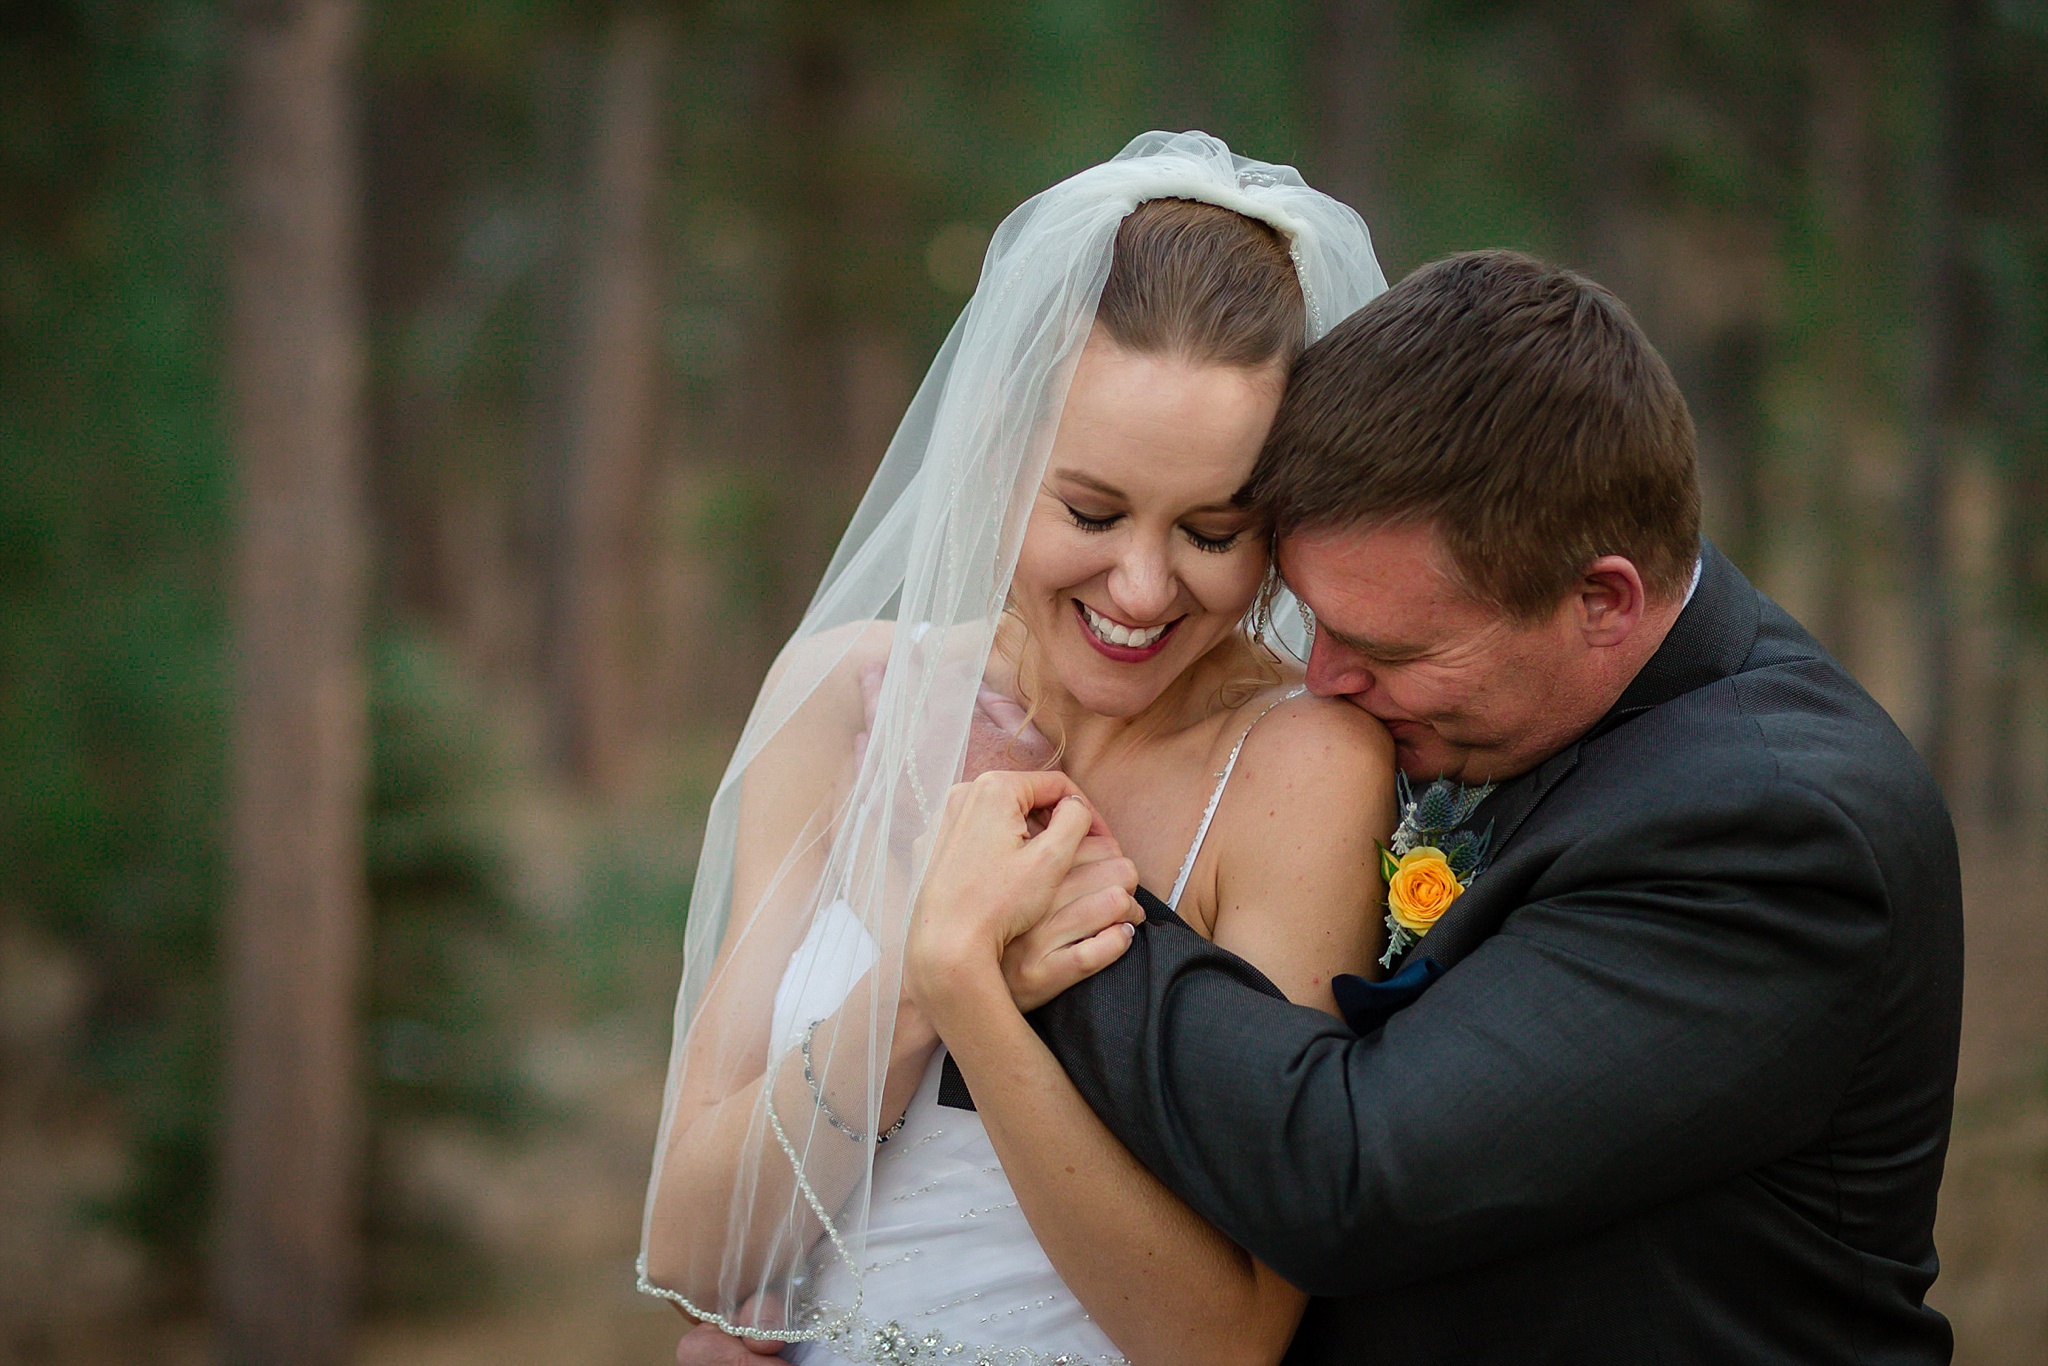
1214 545
1088 523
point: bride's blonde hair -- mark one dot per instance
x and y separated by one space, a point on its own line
1201 283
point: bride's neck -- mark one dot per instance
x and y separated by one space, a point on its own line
1086 738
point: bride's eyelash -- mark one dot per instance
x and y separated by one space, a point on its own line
1214 545
1087 523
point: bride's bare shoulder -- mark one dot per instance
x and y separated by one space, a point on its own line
1315 762
1323 732
1296 872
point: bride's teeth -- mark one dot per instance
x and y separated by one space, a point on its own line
1116 633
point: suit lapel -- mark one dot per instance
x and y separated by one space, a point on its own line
1474 915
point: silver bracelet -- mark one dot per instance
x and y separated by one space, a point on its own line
818 1098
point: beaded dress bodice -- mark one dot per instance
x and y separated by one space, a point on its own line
952 1272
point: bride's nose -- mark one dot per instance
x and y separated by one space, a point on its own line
1142 583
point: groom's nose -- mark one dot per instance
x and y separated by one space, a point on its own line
1334 671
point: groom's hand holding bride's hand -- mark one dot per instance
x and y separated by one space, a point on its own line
1004 908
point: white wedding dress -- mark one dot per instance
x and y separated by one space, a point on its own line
952 1272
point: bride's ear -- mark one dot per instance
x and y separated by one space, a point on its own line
1609 601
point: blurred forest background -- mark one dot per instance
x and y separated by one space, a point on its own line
420 422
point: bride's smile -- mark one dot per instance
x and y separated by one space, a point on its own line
1125 644
1137 561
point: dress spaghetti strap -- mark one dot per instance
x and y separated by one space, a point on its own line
1187 865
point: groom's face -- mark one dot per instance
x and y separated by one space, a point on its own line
1467 692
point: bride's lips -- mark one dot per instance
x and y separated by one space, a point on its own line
1122 654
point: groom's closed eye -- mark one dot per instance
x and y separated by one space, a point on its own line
1379 652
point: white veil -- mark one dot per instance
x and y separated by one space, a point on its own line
810 863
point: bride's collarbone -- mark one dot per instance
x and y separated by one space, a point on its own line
1153 798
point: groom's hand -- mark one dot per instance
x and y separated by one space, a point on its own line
991 880
999 735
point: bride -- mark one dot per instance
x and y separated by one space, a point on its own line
1055 523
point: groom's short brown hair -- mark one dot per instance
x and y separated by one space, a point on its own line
1512 405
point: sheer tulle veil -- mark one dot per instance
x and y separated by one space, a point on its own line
812 840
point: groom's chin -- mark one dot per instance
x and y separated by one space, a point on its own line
1425 763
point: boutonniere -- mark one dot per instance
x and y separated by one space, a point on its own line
1429 862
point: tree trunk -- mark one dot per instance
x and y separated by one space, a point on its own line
812 84
614 417
1614 50
1839 175
1357 82
1184 58
296 914
1936 362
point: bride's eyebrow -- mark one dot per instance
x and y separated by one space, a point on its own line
1094 485
1090 482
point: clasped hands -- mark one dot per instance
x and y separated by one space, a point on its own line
1024 879
1026 893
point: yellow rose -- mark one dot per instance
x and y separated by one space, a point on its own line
1422 889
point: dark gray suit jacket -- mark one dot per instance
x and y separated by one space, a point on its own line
1683 1093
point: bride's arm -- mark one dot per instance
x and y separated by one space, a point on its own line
788 807
1296 894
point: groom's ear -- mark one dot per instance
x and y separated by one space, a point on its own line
1609 601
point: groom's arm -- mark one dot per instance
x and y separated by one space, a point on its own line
1612 1047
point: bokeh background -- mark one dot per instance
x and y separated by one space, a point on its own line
419 423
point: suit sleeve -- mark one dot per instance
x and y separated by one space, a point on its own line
1628 1037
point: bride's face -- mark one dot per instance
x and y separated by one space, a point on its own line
1135 563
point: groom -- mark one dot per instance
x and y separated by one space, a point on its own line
1669 1081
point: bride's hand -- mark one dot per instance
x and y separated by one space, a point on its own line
1071 944
989 881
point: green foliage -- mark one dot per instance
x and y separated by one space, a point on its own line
112 687
450 959
447 958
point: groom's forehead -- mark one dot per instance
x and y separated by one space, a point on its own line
1387 589
1405 563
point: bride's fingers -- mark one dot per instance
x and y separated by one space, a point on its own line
1098 848
1078 962
1081 918
1103 888
1072 821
